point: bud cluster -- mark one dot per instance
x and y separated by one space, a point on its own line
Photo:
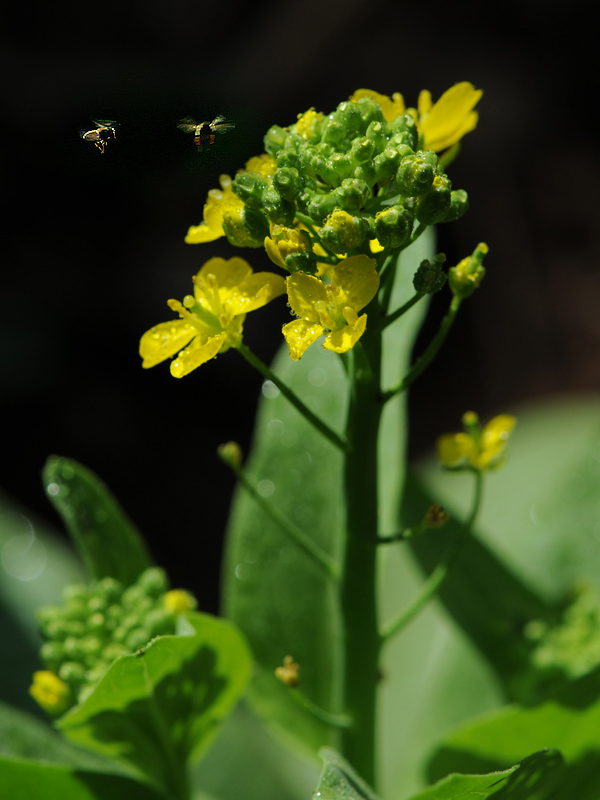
357 176
97 624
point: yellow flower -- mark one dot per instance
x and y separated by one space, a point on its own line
211 321
284 242
390 107
217 203
177 601
52 693
330 309
223 206
309 124
481 448
289 673
444 123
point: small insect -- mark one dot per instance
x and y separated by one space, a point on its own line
204 132
104 132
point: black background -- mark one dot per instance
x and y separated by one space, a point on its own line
92 245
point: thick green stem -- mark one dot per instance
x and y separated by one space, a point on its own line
361 639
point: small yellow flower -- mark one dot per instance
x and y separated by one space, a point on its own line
390 107
481 448
309 123
52 693
330 309
444 123
286 241
211 320
177 601
223 206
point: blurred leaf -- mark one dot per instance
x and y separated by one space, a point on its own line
531 779
283 603
25 780
106 540
339 781
488 601
569 722
160 707
35 566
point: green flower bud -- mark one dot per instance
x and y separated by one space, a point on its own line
386 163
113 651
109 589
459 205
343 232
352 194
274 139
97 622
287 158
415 173
76 609
96 603
52 654
362 150
278 210
287 182
348 114
72 648
75 591
376 132
393 226
72 672
433 206
466 276
333 132
403 131
339 166
366 173
158 622
370 111
321 205
249 187
301 262
429 277
247 229
133 595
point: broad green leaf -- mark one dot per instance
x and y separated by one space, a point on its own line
280 599
162 706
106 540
531 779
26 780
569 722
339 781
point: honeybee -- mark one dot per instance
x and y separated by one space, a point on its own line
204 132
102 134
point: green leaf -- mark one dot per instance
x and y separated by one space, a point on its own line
106 540
569 722
25 780
339 781
281 600
162 706
531 779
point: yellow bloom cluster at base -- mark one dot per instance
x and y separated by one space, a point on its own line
477 447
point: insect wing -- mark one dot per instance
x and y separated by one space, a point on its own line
188 125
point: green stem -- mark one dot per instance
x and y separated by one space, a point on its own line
425 360
310 547
432 585
312 229
333 720
402 310
361 639
322 427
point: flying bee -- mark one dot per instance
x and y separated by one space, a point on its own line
104 132
204 132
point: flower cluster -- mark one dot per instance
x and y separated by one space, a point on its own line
97 624
329 192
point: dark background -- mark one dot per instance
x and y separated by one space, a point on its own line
93 244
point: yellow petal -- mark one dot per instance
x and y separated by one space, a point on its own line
424 102
228 273
198 352
164 340
299 335
274 253
390 107
345 338
451 117
494 437
358 279
255 291
303 292
454 448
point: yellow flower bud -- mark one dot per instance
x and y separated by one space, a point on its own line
52 693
